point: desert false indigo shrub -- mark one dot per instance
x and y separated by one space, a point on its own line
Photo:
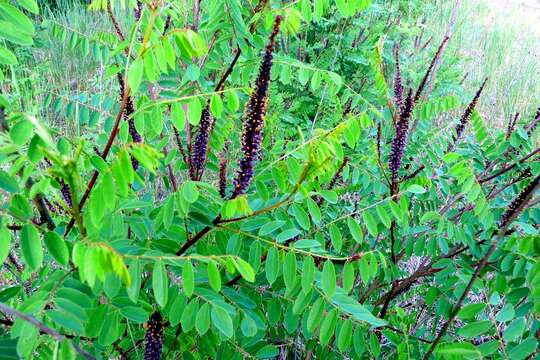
354 225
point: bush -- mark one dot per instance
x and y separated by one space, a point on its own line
299 180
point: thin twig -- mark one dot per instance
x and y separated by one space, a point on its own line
43 328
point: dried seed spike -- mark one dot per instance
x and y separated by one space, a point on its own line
254 118
153 338
460 127
518 204
428 71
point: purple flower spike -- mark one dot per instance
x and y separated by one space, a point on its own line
254 118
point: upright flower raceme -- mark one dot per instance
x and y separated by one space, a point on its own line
200 146
254 118
518 204
466 117
64 188
405 108
138 10
153 338
511 126
223 176
398 83
400 138
424 81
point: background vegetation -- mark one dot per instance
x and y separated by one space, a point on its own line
316 179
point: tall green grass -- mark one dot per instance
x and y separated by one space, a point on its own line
498 39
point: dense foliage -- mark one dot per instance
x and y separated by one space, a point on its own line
244 179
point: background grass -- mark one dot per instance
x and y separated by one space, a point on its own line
498 39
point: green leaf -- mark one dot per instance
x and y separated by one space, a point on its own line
289 269
134 313
233 103
314 211
66 351
267 352
371 224
177 309
244 269
461 350
57 247
345 336
248 326
416 189
358 311
222 321
189 315
308 273
315 315
188 278
348 277
31 247
216 105
21 132
514 330
190 192
301 216
355 229
7 57
194 111
202 323
475 328
20 207
270 227
30 5
523 350
135 73
272 265
8 183
160 283
329 279
214 278
287 235
5 243
469 311
383 215
327 327
335 237
20 22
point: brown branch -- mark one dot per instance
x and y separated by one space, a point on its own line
510 167
229 70
43 328
104 154
116 26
